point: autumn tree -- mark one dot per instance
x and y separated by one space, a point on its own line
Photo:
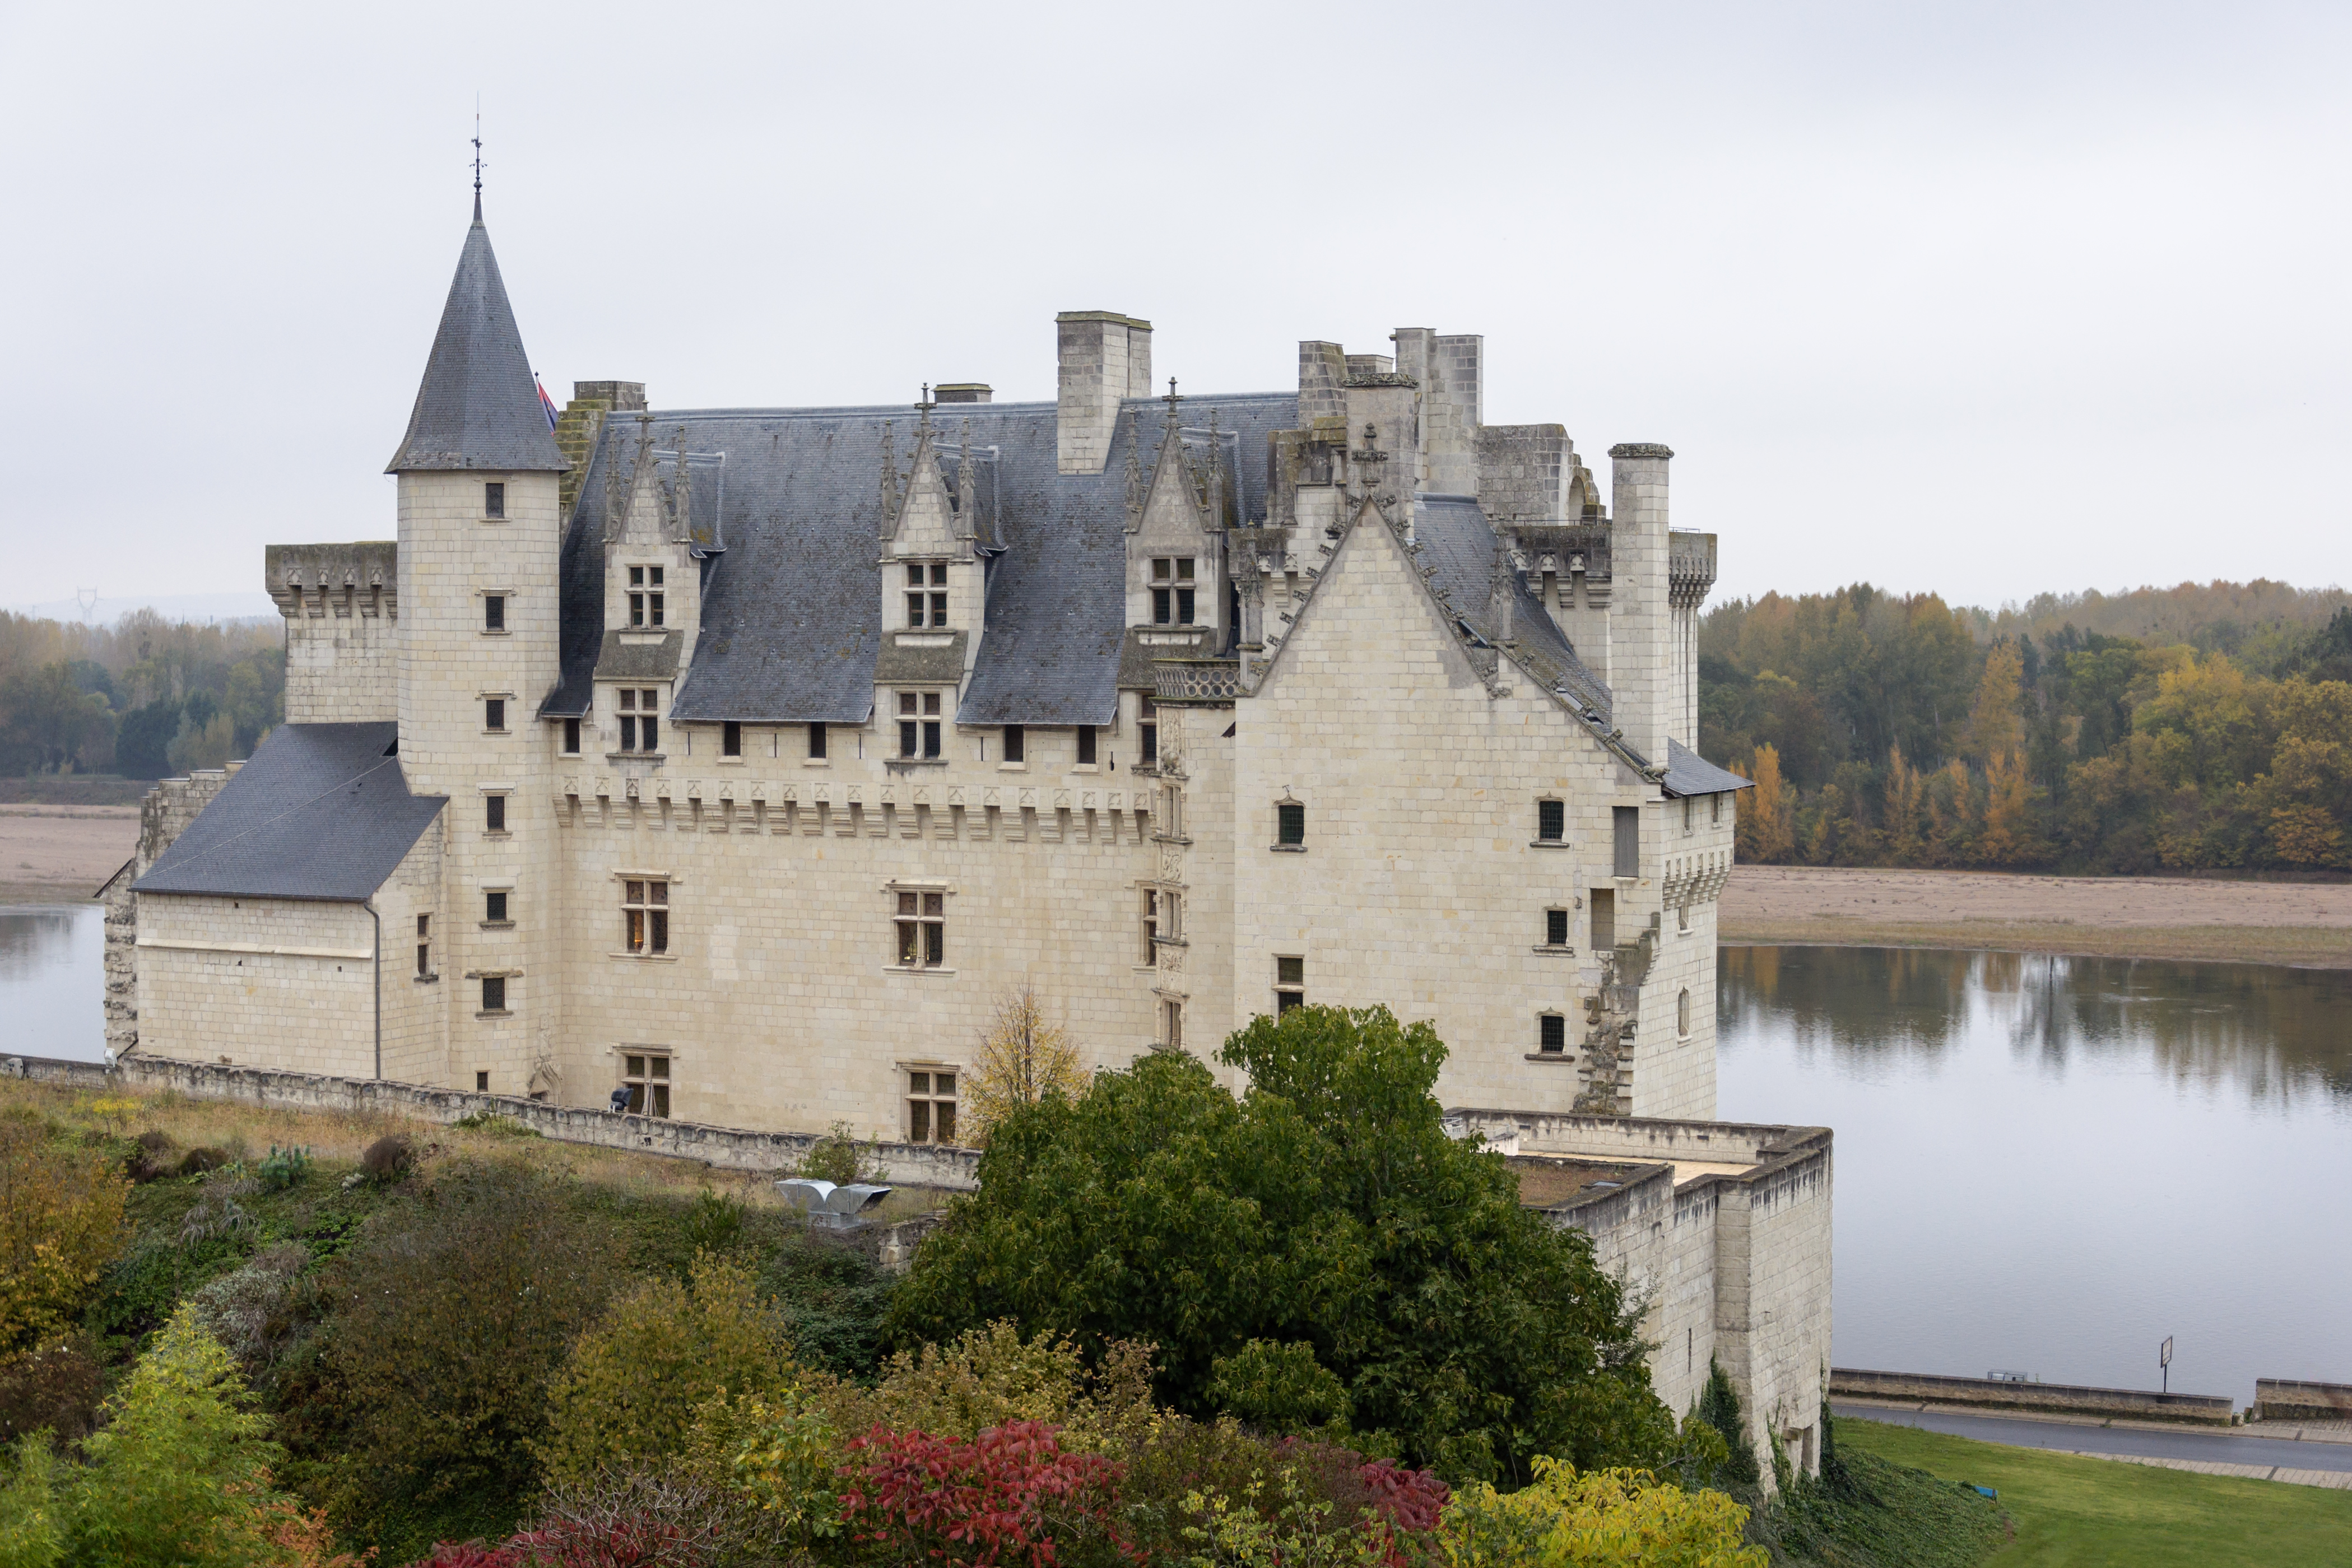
1764 832
60 1226
1023 1057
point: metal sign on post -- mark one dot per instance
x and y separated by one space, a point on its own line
2164 1362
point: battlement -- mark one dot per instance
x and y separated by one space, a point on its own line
341 605
339 581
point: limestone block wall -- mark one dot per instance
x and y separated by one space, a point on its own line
1772 1297
341 606
165 813
1420 885
451 555
278 982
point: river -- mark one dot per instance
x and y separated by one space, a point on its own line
2049 1165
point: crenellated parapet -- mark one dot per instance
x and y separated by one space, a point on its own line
1690 568
338 581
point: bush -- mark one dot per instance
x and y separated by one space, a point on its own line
196 1162
991 1378
1327 1208
444 1323
60 1226
838 1158
1278 1388
496 1122
247 1309
832 1298
150 1158
714 1223
389 1158
1009 1496
1606 1519
284 1169
179 1477
627 1393
52 1388
1719 1407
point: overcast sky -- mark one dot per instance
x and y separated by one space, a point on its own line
1984 299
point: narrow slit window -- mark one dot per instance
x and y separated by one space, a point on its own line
1629 841
1687 818
1551 821
1149 725
1682 1014
1150 925
424 944
1290 824
1171 1015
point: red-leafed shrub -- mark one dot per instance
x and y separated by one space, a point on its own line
1009 1496
625 1543
1407 1502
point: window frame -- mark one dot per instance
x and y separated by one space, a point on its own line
1559 928
1290 824
1625 845
495 906
1151 925
1551 812
571 737
1552 1034
494 715
816 743
645 910
494 812
1290 982
648 1075
730 739
1014 744
494 996
1146 724
921 720
925 1100
494 498
494 612
424 947
919 928
1089 747
1682 1014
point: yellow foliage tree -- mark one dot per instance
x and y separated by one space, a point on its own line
1764 832
1995 729
2008 838
629 1390
1024 1056
60 1226
1906 790
1603 1519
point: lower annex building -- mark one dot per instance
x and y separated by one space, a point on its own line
744 759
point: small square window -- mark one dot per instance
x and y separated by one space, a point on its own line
1552 1037
1551 821
494 813
915 574
628 699
938 574
1555 927
637 577
654 576
494 612
494 908
494 498
481 1083
494 993
494 713
1291 821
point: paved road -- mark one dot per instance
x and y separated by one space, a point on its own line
2028 1434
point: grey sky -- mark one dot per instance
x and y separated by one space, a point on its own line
1984 299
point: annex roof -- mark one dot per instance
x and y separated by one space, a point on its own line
477 406
1688 773
792 606
322 811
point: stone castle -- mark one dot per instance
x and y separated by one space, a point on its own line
736 763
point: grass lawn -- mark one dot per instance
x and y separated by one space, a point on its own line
2072 1513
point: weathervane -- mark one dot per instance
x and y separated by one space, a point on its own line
478 154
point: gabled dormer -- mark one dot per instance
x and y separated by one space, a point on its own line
934 581
1176 574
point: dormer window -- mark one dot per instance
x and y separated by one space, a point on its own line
926 594
645 596
494 498
1171 591
640 719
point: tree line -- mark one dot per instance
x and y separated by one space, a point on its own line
2202 726
141 697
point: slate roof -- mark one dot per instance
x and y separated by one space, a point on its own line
791 608
321 811
1688 773
1456 538
477 406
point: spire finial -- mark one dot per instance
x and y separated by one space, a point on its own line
477 157
923 405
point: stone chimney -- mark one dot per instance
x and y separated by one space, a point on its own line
964 391
618 397
1104 358
1641 662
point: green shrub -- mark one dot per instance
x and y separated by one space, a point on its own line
284 1169
248 1308
1278 1388
496 1122
834 1299
627 1393
60 1227
991 1377
838 1158
1719 1407
444 1324
714 1224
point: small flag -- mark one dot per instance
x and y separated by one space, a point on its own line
546 403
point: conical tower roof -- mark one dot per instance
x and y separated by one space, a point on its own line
477 406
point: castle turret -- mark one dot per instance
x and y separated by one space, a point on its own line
479 538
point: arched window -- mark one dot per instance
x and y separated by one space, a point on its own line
1682 1014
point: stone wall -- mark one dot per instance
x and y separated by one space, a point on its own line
2285 1399
2199 1409
163 814
341 606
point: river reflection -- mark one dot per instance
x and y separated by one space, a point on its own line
52 981
2049 1164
